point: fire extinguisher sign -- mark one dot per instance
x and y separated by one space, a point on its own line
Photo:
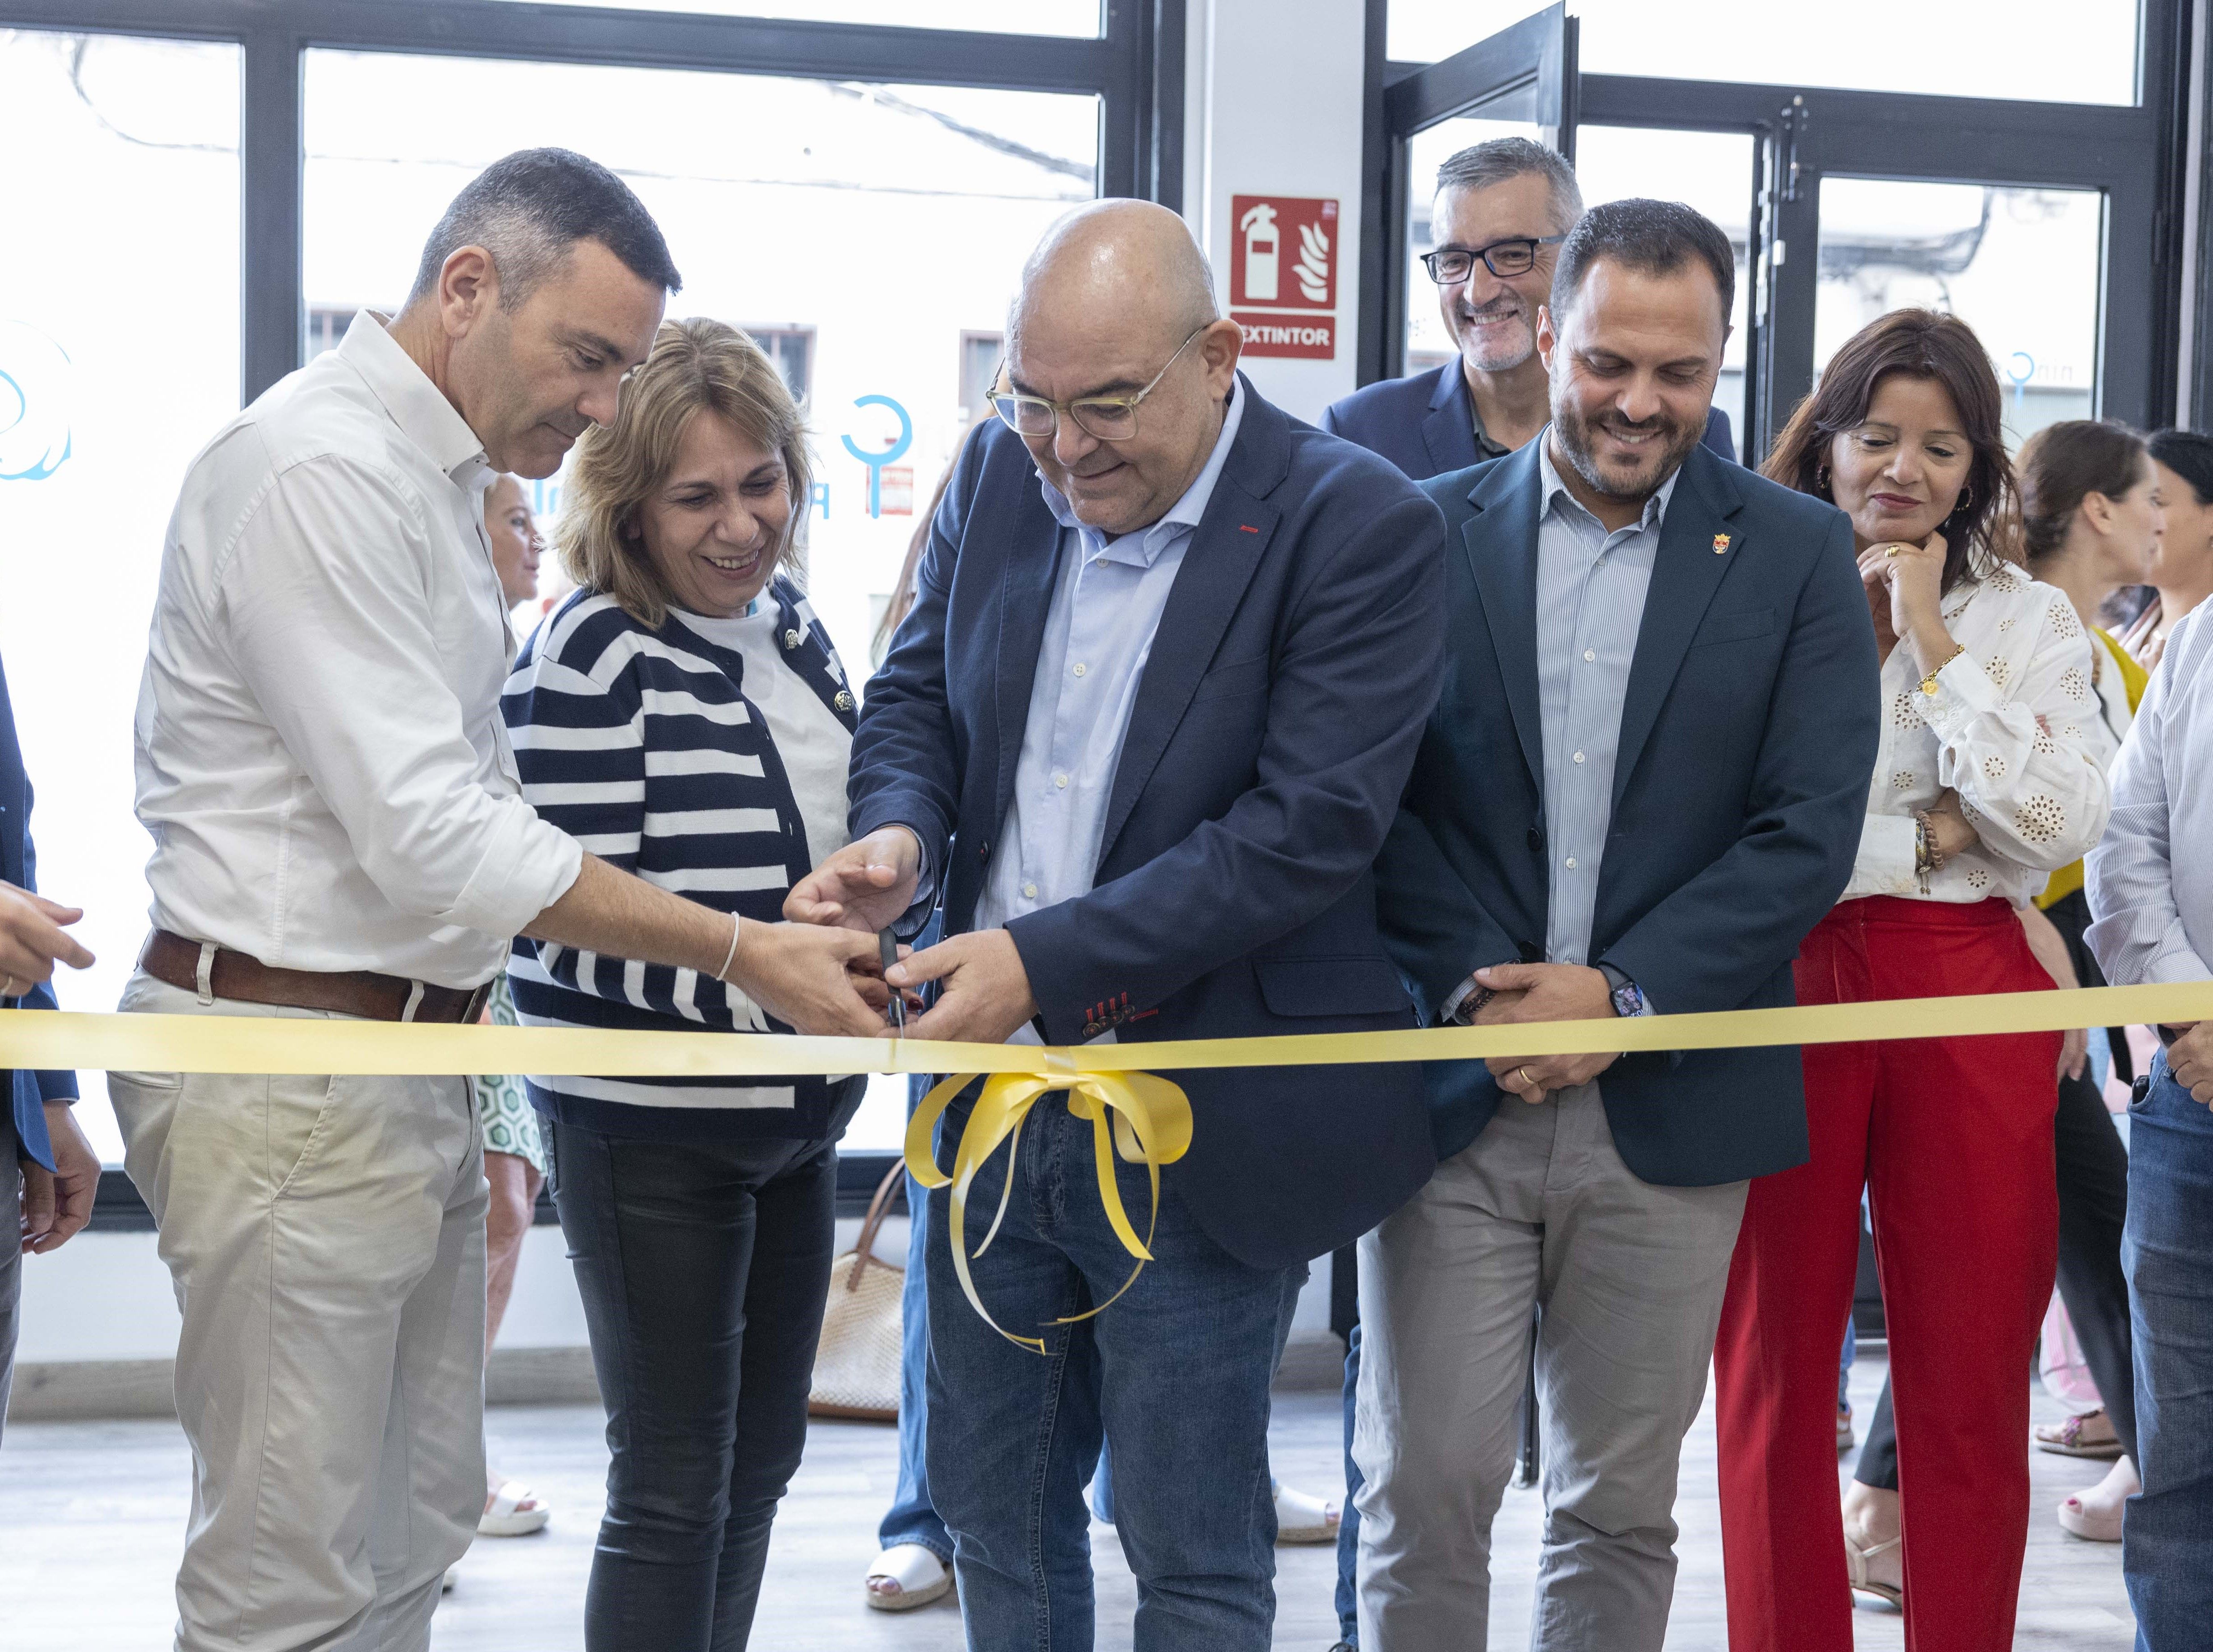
1283 256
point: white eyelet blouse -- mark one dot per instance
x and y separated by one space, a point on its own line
2014 728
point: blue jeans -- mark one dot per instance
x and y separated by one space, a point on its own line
913 1518
2168 1251
1177 1371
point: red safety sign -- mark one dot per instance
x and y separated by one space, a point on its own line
1283 256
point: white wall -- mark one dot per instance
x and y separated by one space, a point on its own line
1273 107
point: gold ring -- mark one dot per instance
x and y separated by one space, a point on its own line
9 990
1526 1079
1892 549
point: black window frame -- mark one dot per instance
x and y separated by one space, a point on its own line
2134 154
1134 66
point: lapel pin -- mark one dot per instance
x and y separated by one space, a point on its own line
1721 545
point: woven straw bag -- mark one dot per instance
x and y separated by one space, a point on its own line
856 1364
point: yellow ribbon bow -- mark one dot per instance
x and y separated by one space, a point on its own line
1150 1124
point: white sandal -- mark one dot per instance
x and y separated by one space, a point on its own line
1855 1565
505 1516
1303 1518
921 1576
2101 1522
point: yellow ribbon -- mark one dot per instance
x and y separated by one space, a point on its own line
1150 1121
1150 1124
258 1043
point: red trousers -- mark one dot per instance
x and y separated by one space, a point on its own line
1952 1139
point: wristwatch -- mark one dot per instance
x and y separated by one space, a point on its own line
1628 998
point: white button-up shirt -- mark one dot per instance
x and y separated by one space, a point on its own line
2014 728
2153 903
321 758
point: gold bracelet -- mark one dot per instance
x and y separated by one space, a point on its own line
1929 682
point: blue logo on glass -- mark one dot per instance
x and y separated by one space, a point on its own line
876 461
34 404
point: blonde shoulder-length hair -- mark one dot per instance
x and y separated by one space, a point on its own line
696 366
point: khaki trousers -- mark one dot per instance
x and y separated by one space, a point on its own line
326 1239
1539 1210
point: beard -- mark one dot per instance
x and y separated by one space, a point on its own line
1641 479
1495 355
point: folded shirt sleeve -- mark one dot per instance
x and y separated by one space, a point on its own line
2027 758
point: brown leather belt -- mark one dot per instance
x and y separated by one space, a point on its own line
359 992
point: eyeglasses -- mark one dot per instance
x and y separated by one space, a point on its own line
1517 255
1110 418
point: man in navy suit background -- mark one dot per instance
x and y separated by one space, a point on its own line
1140 739
1642 785
48 1173
1501 208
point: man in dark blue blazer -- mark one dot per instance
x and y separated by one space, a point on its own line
1642 785
1501 208
1139 741
48 1173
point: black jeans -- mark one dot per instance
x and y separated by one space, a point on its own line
703 1270
2093 1204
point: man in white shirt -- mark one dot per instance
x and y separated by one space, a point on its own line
338 832
2153 907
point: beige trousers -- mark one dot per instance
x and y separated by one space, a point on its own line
326 1239
1540 1210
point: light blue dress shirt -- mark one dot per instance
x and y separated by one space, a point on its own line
2154 905
1107 606
1591 586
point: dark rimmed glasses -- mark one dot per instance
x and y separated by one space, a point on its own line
1517 255
1109 418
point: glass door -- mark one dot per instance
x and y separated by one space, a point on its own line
1520 80
2031 210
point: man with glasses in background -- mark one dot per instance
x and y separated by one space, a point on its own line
1501 210
1141 737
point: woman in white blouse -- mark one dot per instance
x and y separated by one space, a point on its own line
1989 777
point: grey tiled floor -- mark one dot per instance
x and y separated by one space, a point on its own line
92 1517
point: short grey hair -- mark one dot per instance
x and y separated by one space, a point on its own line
1497 160
528 209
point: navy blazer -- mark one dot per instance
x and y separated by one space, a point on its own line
19 865
1425 424
1267 747
1748 734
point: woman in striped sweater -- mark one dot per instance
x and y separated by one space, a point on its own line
684 716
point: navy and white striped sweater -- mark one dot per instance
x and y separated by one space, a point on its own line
642 745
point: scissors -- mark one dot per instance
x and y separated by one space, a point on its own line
887 950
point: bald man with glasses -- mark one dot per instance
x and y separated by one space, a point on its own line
1139 741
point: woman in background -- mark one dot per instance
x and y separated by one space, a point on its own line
514 1156
914 1551
2182 572
1990 778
